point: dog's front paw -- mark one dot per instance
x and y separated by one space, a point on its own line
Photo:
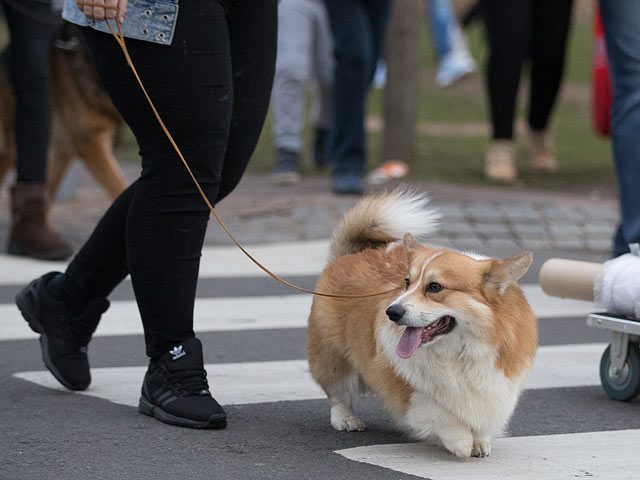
481 448
460 447
343 418
350 423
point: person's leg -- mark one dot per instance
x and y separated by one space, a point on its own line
323 68
439 19
354 55
378 13
253 34
550 27
508 25
30 75
621 21
454 60
164 226
292 77
28 54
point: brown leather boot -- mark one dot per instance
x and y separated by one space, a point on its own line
31 234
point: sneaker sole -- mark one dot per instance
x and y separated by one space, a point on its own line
147 408
285 178
29 315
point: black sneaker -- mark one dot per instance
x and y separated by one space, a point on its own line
63 337
175 389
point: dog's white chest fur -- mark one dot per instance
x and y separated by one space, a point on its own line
454 384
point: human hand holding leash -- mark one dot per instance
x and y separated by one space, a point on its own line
103 9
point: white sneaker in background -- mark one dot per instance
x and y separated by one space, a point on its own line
453 67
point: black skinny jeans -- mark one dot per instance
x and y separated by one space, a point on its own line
212 89
27 56
518 29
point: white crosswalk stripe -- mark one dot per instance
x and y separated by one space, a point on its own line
277 381
250 313
606 455
294 258
210 315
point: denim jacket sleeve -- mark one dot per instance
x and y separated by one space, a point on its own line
150 20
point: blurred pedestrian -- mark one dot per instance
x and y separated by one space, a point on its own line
31 25
454 59
305 54
358 28
209 69
621 22
518 29
449 42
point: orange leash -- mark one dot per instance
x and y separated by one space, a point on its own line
120 39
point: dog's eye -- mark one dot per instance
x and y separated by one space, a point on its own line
434 287
407 282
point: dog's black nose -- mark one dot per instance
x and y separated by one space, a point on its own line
395 312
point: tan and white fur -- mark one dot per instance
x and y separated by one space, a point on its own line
465 330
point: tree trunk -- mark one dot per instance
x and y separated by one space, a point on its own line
401 90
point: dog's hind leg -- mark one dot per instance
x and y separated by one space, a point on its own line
335 374
341 396
97 154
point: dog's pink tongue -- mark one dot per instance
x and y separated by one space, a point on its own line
410 341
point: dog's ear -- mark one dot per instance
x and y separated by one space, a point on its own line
410 245
409 242
502 273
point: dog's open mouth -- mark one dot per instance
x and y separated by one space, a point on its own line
414 337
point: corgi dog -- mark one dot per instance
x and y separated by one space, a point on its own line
448 346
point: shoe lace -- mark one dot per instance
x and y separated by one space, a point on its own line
188 382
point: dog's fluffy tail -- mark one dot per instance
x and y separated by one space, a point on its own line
378 220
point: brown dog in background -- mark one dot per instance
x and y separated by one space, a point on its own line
84 119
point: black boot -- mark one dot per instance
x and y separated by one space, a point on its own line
63 336
175 389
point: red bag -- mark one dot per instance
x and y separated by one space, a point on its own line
601 98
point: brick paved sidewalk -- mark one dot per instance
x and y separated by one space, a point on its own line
471 217
478 218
